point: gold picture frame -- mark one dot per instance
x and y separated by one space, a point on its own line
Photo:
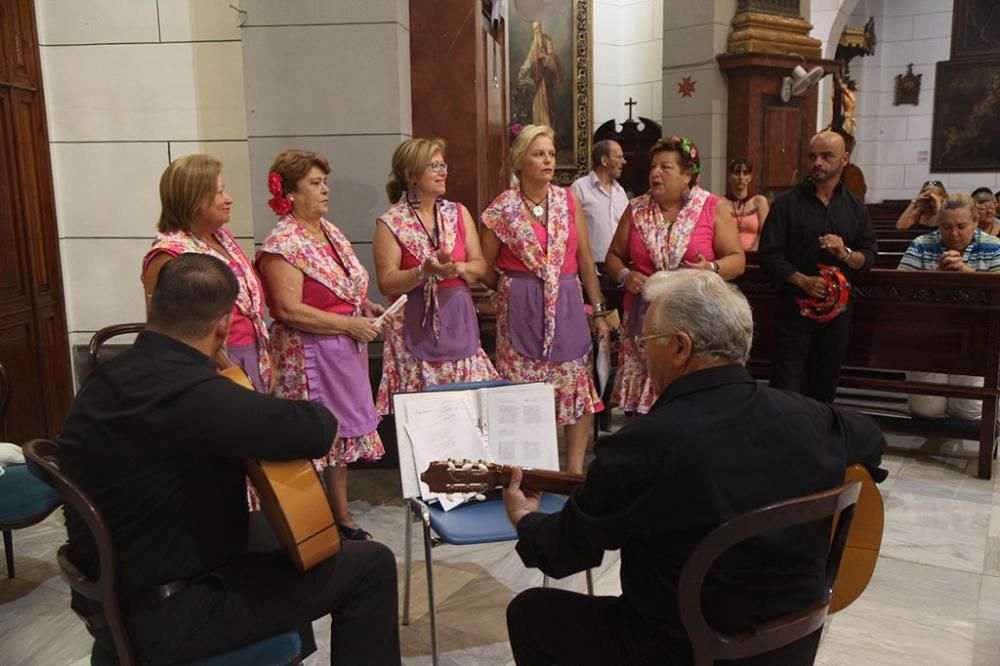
549 61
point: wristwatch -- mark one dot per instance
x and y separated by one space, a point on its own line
849 253
715 266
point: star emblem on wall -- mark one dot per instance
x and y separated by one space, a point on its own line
686 87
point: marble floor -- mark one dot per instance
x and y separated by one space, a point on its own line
934 599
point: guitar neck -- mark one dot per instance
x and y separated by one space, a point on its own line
543 480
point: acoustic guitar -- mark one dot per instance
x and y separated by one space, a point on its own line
294 501
856 566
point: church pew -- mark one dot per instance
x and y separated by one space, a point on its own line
911 320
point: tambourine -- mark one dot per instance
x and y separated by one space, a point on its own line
831 304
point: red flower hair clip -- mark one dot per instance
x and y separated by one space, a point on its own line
278 202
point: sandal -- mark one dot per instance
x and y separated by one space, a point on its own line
353 533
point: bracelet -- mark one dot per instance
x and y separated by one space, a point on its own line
715 267
623 275
600 308
849 253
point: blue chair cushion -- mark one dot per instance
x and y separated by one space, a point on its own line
482 522
277 650
23 495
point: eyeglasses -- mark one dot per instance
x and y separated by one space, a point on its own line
932 183
438 167
641 340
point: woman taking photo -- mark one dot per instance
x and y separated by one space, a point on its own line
317 292
675 225
427 248
537 254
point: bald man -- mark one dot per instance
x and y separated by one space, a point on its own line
817 222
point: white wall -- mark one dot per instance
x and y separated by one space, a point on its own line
333 77
894 142
628 56
130 85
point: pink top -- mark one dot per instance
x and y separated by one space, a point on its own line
701 242
316 294
748 225
508 261
457 254
241 332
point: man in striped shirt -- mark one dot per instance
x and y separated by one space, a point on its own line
957 244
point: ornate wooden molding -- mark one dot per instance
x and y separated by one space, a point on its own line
757 32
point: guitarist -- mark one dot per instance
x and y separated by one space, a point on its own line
715 445
156 438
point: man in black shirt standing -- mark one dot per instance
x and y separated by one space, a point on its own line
715 445
156 438
817 222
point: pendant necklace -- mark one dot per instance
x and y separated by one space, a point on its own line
537 209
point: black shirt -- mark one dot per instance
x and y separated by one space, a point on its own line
156 438
714 446
789 241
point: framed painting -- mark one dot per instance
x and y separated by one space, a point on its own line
966 130
975 29
549 82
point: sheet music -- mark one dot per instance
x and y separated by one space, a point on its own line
603 364
442 429
521 426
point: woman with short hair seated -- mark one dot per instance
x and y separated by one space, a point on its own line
924 207
957 245
986 211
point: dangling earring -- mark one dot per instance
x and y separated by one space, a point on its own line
413 196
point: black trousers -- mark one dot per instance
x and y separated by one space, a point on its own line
549 626
262 594
808 354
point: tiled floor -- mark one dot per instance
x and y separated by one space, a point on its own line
934 600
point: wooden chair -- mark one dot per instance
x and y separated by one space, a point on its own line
709 645
105 334
43 460
24 500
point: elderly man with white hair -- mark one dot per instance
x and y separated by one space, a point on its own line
715 445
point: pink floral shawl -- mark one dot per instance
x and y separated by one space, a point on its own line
667 243
509 219
347 278
249 300
410 233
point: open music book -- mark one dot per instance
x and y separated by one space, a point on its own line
512 425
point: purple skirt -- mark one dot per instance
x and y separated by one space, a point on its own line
459 334
526 318
337 375
247 358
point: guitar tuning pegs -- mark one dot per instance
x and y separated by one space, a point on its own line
467 466
451 466
480 497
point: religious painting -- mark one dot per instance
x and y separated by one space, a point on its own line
975 30
966 117
549 83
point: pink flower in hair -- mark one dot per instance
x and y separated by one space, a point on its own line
694 152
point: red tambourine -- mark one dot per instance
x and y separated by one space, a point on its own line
838 290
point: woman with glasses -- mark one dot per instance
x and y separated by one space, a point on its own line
538 253
677 224
924 208
986 211
427 248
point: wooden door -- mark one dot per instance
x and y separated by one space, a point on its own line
33 340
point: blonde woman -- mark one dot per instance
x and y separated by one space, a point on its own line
537 254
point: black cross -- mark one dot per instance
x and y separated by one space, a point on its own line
630 103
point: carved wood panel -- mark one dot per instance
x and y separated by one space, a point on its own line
782 143
33 337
